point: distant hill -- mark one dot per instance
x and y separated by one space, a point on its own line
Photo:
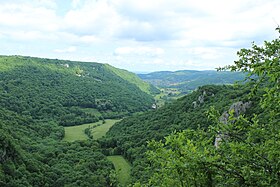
186 80
69 92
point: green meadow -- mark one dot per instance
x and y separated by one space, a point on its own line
100 131
78 132
122 167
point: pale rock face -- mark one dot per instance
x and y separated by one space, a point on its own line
238 109
194 104
2 154
224 117
201 99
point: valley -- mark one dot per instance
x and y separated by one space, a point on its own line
68 123
119 93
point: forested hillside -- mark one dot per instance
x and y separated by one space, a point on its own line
67 92
130 136
37 97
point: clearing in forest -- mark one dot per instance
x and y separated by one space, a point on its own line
78 132
122 167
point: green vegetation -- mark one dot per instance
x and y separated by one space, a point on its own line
174 85
246 149
77 132
122 168
32 154
100 131
96 130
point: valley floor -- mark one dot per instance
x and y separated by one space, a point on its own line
98 130
122 167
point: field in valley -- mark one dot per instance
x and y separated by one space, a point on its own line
122 167
78 132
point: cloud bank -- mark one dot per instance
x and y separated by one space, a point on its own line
137 35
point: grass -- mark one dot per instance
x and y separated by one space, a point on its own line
100 131
122 167
77 132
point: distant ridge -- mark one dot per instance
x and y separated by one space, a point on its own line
185 80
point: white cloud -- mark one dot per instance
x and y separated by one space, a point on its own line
159 33
141 51
70 49
205 53
94 18
26 17
75 3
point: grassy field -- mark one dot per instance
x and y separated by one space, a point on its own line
122 167
101 130
77 132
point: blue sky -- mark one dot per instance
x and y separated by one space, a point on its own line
140 36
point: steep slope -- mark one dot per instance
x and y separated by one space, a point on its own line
186 80
67 92
134 79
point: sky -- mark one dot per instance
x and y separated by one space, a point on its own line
137 35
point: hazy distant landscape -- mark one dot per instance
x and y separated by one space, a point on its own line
73 113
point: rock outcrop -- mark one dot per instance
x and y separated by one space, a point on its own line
201 99
238 108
